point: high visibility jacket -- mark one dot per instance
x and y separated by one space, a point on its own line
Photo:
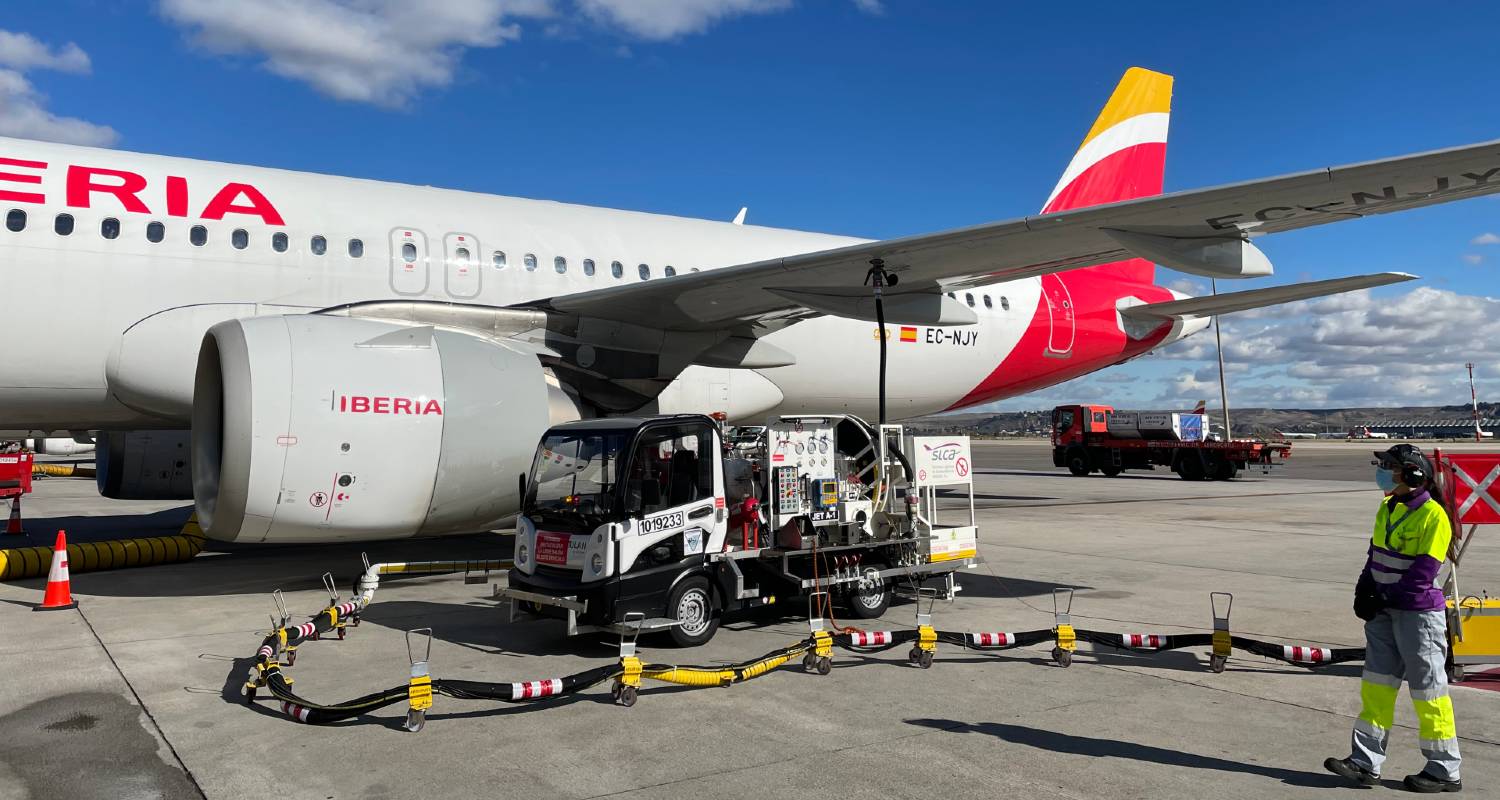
1406 550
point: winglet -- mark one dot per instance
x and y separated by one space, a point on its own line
739 219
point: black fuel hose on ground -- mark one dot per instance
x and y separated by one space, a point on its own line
518 692
995 641
870 642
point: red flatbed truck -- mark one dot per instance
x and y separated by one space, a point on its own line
1082 443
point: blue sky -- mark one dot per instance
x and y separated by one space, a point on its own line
867 118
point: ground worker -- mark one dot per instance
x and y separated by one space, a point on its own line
1406 631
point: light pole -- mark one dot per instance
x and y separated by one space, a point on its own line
1474 400
1219 347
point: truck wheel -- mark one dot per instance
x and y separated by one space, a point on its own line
1111 471
692 604
1190 469
1226 471
871 597
1078 463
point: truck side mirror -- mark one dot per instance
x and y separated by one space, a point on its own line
522 482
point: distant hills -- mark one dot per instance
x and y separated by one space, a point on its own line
1245 421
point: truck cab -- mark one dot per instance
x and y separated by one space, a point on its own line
1071 425
619 516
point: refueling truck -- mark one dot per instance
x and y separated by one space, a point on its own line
668 518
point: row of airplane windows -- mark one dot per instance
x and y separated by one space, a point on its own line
109 228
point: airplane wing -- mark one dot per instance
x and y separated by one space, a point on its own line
1214 305
1204 231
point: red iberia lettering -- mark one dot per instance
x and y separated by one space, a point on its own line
17 177
177 196
367 404
224 203
124 186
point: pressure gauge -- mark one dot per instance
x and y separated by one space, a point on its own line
799 448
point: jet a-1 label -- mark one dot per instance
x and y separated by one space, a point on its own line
662 522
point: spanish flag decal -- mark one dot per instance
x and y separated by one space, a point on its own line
908 334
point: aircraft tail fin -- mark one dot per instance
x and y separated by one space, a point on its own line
1123 157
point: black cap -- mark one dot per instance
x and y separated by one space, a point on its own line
1402 454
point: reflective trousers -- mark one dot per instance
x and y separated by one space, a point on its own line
1409 645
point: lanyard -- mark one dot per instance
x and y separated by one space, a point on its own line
1391 526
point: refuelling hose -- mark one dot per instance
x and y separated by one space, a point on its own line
19 563
63 471
267 668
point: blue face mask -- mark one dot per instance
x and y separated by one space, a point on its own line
1385 479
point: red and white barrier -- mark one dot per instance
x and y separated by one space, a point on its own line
869 638
992 639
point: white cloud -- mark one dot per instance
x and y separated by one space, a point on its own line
382 52
660 20
387 52
1350 350
1485 238
23 110
21 51
1473 259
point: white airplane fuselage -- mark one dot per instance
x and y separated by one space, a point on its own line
126 358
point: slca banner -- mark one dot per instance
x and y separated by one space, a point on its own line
942 460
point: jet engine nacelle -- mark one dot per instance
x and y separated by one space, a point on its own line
314 428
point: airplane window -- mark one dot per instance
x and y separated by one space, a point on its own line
109 228
356 248
988 303
530 261
669 271
15 220
320 246
645 270
692 269
63 224
560 264
155 232
461 255
278 242
239 238
588 267
950 294
198 235
499 259
969 298
615 268
1004 302
409 252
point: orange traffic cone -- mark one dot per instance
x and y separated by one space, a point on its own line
13 527
59 588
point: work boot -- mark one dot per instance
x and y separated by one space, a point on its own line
1352 772
1427 784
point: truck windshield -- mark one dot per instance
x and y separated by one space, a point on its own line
573 478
